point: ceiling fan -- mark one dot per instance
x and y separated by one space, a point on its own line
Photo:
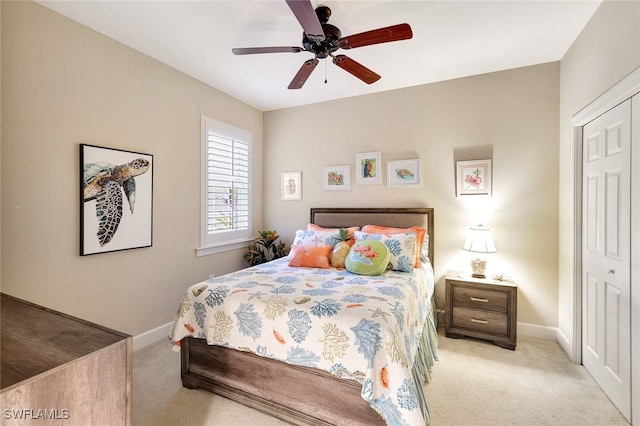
323 39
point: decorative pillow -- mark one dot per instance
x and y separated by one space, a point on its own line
352 230
424 256
420 233
315 238
401 248
367 257
339 254
310 256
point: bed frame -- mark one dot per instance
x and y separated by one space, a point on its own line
300 395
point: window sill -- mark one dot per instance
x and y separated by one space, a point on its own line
221 248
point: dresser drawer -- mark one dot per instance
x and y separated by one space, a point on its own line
479 298
484 321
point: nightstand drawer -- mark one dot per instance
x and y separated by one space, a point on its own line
479 298
484 321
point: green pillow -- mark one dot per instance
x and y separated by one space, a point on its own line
367 257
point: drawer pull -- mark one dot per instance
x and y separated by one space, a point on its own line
477 299
479 321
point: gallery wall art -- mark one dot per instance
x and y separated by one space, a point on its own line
291 184
403 173
369 167
473 177
336 178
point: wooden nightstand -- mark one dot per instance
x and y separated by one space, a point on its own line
481 308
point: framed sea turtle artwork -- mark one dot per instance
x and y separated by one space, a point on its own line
116 199
403 173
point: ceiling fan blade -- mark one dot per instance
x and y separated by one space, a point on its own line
356 69
255 50
306 15
381 35
303 73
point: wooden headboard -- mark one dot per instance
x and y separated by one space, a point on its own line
395 217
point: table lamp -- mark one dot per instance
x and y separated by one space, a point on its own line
479 241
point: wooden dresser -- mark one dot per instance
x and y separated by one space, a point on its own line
481 308
57 369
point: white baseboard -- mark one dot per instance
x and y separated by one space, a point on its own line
564 343
538 331
151 336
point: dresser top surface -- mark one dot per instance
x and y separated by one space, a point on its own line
35 339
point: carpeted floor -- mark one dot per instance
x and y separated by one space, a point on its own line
473 383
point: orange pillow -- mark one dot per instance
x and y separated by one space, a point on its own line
375 229
352 230
310 256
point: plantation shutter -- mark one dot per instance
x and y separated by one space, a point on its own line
228 166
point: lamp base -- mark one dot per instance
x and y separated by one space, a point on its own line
478 266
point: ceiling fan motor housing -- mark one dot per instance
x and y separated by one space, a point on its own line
331 35
329 45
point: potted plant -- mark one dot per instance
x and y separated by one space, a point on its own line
265 249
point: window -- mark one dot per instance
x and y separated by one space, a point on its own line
226 206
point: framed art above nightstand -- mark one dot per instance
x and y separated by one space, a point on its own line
481 308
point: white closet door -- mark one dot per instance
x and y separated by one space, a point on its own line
635 256
606 267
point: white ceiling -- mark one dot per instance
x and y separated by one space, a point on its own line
451 39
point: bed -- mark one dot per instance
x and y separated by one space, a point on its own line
257 356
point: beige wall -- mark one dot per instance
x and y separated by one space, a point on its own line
607 50
63 85
510 116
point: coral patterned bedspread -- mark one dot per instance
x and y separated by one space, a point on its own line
377 330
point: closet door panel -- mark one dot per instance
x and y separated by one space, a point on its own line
606 268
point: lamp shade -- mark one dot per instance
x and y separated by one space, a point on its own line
479 240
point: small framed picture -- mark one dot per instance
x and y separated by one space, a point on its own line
473 177
291 184
336 178
403 173
368 167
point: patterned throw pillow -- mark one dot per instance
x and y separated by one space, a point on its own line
420 232
401 248
310 256
352 230
424 257
367 257
315 238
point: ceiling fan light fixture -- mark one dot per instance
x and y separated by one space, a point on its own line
323 39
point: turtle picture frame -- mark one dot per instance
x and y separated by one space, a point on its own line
116 200
404 173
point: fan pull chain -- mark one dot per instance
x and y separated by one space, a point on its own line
325 71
